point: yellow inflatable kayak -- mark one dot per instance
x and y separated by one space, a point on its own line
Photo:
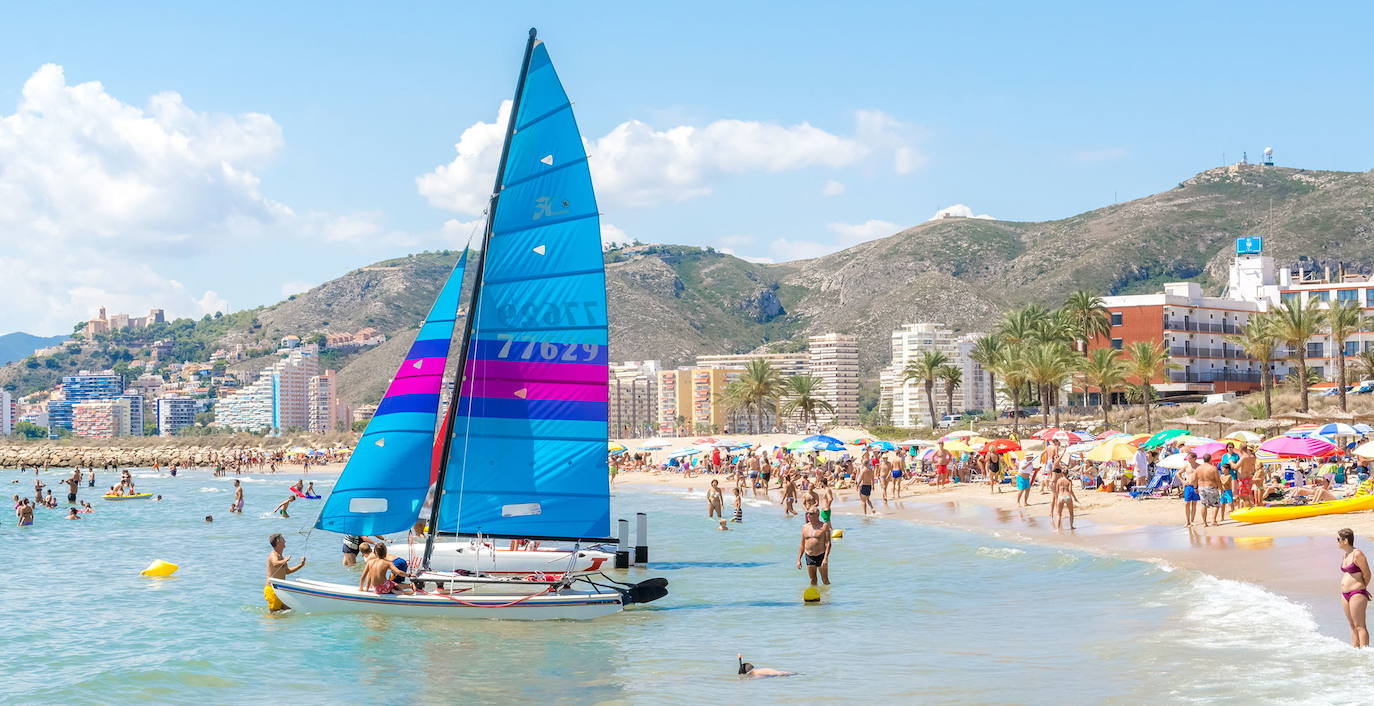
1294 512
135 496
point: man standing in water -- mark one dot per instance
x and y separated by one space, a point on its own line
866 488
237 505
815 548
72 484
278 567
825 495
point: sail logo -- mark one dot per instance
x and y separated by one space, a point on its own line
543 206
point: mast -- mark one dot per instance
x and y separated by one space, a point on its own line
450 418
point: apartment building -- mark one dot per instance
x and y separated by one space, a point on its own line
633 396
101 419
175 413
834 358
906 399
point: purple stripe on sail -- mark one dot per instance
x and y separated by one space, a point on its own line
516 408
529 351
548 372
428 384
522 389
427 366
408 403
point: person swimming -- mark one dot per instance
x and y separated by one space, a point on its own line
747 669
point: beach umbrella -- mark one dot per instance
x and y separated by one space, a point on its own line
1109 434
1175 462
685 451
1336 429
916 442
820 446
861 441
1364 428
614 447
824 438
1298 447
1245 436
1001 446
706 440
1072 437
1302 430
1113 450
1163 438
1045 434
958 446
1083 446
1189 441
1365 450
742 445
882 446
655 444
1208 448
962 433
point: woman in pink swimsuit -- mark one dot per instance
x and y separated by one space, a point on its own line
1354 587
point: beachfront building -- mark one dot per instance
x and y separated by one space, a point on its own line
175 413
691 401
834 358
87 385
136 401
364 413
633 397
1192 327
278 400
101 419
974 385
323 404
905 400
8 413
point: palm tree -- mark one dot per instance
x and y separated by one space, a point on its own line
1009 365
1257 339
1047 364
926 370
801 394
952 377
985 351
1295 321
1087 314
1343 320
1104 369
1364 361
1149 360
735 399
760 387
1022 325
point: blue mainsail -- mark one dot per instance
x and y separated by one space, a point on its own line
528 454
383 486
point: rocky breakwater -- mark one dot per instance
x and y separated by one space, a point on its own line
63 456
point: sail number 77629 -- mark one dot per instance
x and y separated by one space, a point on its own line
545 350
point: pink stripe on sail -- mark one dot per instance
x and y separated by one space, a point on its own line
428 366
508 389
427 385
530 371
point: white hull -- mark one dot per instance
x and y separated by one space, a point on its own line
320 597
474 556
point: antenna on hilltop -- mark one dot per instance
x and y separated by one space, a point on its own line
1268 156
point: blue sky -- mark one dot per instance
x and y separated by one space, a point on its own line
772 130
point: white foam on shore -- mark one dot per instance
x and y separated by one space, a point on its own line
999 552
214 490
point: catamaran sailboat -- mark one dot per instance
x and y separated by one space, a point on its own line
521 453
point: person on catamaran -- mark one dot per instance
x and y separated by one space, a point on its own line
380 575
748 670
278 567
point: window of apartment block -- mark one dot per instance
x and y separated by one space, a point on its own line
1369 297
1116 343
1322 296
1116 318
1318 370
1347 295
1352 348
1314 349
1289 296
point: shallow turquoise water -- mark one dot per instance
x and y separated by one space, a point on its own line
917 614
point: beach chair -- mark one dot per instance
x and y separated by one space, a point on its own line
1089 481
1158 485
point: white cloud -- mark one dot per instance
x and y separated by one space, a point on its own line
611 235
786 249
872 228
293 287
1100 155
636 165
832 188
758 260
211 302
958 210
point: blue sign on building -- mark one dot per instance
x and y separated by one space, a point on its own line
1249 245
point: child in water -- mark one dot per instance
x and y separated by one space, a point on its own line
739 507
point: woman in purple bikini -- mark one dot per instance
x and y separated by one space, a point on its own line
1354 587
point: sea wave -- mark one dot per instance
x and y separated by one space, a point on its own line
999 552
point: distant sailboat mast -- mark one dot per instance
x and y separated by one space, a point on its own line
450 417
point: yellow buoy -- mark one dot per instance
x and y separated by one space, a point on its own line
837 534
160 569
811 595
